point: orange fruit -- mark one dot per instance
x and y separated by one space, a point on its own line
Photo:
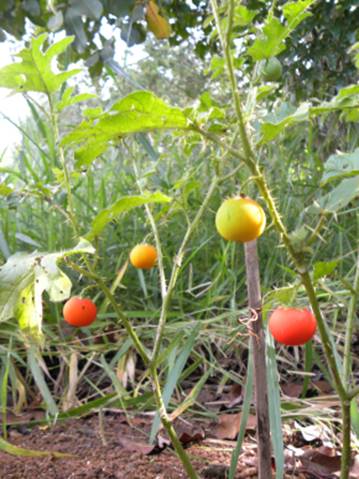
143 256
79 312
240 219
291 326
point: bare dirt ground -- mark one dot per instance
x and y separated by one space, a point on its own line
112 449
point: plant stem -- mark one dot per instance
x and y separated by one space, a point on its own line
127 325
350 323
346 445
259 361
156 235
176 269
167 424
55 126
249 159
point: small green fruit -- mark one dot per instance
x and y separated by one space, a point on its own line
272 70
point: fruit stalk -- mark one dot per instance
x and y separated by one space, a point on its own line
176 269
259 360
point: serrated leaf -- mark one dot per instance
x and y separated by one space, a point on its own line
138 112
243 16
296 12
341 165
23 280
34 72
284 117
69 99
323 268
282 296
340 196
123 205
271 41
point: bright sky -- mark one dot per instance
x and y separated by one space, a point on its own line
12 106
15 106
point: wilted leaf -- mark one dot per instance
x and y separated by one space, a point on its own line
292 390
24 278
229 424
320 464
142 447
188 433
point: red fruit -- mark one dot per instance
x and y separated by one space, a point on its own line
291 326
79 312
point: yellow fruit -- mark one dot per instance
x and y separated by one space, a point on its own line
157 24
143 256
240 219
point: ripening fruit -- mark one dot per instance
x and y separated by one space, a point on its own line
272 69
79 312
291 326
240 219
156 23
143 256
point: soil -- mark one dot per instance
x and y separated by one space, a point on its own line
112 449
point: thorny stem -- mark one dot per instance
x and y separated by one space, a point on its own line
350 325
249 159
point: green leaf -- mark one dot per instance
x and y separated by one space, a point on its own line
68 99
286 116
140 111
34 359
20 451
275 416
5 190
271 41
340 196
34 72
123 205
23 280
323 268
281 296
341 165
173 376
243 16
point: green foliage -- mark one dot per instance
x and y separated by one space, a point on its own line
271 41
138 112
123 205
341 165
34 72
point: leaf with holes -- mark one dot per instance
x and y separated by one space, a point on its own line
34 72
23 280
